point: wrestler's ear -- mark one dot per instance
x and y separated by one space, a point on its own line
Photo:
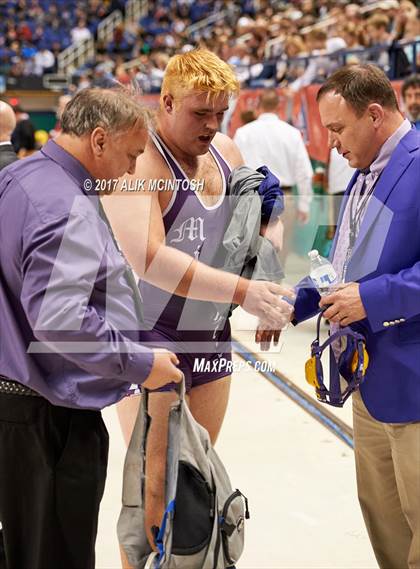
168 103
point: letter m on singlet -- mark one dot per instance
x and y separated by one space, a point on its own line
192 229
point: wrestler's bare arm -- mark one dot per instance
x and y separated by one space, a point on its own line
136 218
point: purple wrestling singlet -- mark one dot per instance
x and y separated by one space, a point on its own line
176 323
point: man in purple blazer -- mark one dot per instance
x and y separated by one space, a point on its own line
377 255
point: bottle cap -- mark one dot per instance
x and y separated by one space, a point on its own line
313 254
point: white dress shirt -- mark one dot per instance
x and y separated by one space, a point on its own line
272 142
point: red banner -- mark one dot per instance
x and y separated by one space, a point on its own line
301 111
317 135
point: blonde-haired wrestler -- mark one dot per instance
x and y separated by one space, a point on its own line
179 239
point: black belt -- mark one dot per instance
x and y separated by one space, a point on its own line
12 387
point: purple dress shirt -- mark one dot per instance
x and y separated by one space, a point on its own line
68 326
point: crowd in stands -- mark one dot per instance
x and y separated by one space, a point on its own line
241 32
267 41
34 32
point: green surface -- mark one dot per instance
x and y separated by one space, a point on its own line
43 120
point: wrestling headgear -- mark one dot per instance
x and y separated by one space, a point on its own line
351 366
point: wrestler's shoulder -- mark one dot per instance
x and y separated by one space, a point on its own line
228 149
151 163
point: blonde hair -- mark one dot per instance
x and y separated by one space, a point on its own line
198 70
378 21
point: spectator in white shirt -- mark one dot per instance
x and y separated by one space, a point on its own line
80 32
272 142
44 61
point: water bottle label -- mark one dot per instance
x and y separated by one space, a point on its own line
327 279
323 280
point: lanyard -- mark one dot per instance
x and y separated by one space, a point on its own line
358 207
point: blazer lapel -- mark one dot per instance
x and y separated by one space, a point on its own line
398 163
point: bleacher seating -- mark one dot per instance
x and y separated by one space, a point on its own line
255 37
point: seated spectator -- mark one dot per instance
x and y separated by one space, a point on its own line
157 71
240 59
353 14
352 35
44 61
80 33
408 9
122 41
321 66
85 81
142 75
122 76
411 96
102 77
23 137
379 38
62 102
390 9
288 67
411 33
412 29
55 33
261 73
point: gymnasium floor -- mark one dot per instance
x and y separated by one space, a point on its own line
298 475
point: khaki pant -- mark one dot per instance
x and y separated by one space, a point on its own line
388 481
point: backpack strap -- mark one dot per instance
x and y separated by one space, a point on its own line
169 512
181 389
150 563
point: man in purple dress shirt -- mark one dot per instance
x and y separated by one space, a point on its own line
65 296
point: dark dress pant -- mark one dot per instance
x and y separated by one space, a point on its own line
53 464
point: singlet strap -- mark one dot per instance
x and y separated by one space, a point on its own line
224 165
166 154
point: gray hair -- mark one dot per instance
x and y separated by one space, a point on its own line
115 110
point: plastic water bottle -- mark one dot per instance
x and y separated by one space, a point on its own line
322 273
